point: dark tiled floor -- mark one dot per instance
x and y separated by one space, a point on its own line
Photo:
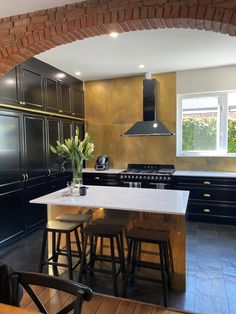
211 270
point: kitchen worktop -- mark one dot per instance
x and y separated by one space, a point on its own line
148 200
223 174
196 173
109 171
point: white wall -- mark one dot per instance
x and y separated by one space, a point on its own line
206 80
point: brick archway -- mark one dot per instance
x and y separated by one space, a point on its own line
24 36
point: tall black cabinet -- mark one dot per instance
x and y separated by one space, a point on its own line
36 109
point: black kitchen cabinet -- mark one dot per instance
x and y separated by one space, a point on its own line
32 88
12 223
35 214
212 199
9 88
10 147
51 95
77 102
65 98
97 178
34 147
53 134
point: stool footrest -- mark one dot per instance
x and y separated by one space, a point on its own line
147 279
149 265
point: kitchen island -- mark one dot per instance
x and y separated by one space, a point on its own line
159 209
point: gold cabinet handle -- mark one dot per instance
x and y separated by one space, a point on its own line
207 195
49 172
97 178
60 111
23 177
206 182
26 177
206 210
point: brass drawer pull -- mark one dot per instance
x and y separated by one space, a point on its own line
206 182
97 178
207 195
206 210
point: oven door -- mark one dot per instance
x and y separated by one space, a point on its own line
146 185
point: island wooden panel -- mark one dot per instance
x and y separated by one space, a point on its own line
175 224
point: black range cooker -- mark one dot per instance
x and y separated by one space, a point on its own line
147 176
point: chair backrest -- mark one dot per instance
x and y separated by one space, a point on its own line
5 284
26 279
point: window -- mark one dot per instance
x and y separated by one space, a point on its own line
206 124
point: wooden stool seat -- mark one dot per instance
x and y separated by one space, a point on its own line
112 232
57 228
74 217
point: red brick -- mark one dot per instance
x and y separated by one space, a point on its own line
22 22
39 18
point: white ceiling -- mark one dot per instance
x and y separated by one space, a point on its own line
15 7
161 50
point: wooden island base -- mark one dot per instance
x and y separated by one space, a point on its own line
175 224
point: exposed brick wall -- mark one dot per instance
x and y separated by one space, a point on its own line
26 35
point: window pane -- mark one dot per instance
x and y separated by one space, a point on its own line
200 123
232 122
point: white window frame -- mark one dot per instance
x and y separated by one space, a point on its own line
222 126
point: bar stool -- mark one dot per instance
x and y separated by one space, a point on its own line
113 233
57 228
136 237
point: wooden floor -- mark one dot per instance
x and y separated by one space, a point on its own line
100 304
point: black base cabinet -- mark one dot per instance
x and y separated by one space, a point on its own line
212 199
12 222
95 178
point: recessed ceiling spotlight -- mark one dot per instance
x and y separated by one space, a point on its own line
114 34
60 75
141 66
78 73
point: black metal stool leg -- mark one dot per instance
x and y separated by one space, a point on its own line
69 257
113 267
54 254
130 247
83 259
163 274
43 248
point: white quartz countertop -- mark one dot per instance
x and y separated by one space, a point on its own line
205 173
110 171
132 199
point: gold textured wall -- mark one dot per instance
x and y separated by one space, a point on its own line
112 106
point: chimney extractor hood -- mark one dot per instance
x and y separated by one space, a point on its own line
150 126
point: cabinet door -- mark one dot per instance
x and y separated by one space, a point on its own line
34 147
10 147
32 88
9 88
66 128
65 106
78 103
51 95
53 134
36 214
12 224
66 132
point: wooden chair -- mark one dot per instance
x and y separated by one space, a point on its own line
81 292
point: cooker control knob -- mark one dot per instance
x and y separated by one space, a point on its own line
121 176
140 177
136 177
148 177
128 177
168 178
125 176
152 178
132 177
164 178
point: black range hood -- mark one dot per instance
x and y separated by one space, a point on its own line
150 126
